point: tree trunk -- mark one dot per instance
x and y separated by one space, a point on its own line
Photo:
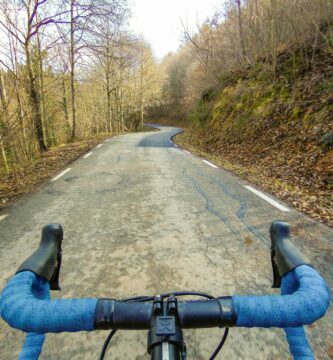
42 94
121 110
108 87
141 89
72 65
240 27
25 145
3 127
34 100
65 107
141 114
4 156
108 96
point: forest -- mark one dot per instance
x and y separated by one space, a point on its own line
252 85
69 69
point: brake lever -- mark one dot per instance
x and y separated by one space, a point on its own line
285 257
276 276
46 260
54 281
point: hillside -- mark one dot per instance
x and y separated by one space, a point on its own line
276 131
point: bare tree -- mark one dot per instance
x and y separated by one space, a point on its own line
33 21
87 18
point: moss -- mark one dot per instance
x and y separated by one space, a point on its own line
284 94
247 105
292 64
261 72
227 79
325 85
307 118
209 95
201 114
295 113
324 115
264 110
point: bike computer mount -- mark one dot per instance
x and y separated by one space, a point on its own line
165 334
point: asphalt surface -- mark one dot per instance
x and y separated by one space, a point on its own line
143 217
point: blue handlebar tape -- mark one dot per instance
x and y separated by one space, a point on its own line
307 299
32 346
299 346
25 305
298 343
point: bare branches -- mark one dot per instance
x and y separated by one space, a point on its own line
70 69
191 38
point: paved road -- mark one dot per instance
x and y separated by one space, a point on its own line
142 216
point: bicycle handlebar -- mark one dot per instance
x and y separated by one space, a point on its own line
26 306
25 303
193 314
32 346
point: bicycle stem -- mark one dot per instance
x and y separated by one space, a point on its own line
165 337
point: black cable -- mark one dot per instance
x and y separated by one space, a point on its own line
188 293
220 345
106 344
165 295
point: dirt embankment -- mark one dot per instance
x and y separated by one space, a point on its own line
28 177
277 133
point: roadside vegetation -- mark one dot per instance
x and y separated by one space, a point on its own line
71 74
255 84
69 70
252 85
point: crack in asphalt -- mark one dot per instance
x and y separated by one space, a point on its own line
241 212
209 203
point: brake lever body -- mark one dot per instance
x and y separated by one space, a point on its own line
285 257
46 260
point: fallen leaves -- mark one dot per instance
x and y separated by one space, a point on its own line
289 174
248 241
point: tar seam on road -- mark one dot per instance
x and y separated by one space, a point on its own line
268 199
87 155
3 217
210 164
98 146
61 174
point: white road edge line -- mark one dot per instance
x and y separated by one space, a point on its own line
98 146
87 155
210 164
268 199
3 217
61 174
187 152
